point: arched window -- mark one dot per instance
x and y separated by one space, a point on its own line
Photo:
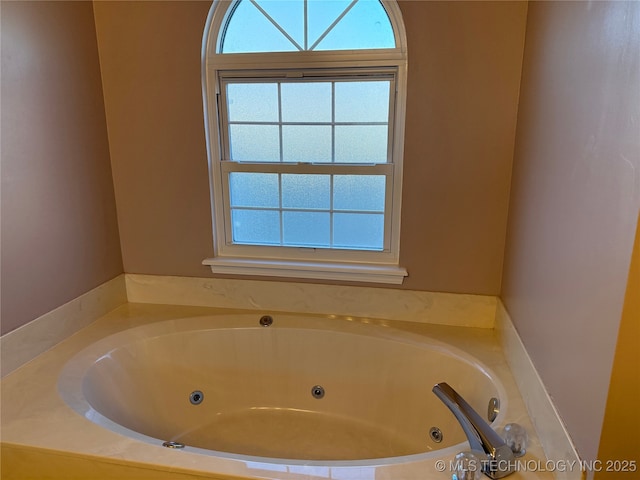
304 110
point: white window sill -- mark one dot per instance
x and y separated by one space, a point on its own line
352 272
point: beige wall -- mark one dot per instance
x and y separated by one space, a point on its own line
619 439
150 61
465 62
464 71
59 228
575 200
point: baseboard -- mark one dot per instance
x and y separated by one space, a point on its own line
27 342
551 432
267 296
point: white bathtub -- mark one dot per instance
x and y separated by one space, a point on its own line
256 384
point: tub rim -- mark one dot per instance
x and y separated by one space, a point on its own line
70 378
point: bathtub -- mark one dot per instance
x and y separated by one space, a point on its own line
301 391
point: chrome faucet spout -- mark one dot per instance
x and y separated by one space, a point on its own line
500 459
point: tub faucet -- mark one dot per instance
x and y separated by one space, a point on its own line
500 458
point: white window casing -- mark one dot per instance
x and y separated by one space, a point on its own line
221 69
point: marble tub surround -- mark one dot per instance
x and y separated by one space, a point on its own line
39 429
27 342
455 309
552 433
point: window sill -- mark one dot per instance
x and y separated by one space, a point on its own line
368 273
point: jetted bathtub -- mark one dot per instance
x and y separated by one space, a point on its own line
302 390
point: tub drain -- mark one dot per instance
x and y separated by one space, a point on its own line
317 391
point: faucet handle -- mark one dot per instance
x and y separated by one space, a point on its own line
468 465
515 436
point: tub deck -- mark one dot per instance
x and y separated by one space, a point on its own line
42 437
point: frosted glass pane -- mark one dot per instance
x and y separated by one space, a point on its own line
289 15
361 144
358 230
248 30
252 102
311 229
362 101
308 143
254 189
306 102
359 192
254 143
306 191
366 25
259 227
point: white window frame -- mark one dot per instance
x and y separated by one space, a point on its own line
279 261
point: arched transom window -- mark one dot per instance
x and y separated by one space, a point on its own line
304 107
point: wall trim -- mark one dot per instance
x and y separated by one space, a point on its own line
454 309
550 429
30 340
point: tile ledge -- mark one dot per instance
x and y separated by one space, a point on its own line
453 309
550 429
23 344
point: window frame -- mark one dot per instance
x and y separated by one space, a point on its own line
301 262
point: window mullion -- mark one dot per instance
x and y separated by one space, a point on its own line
280 214
331 211
333 159
336 21
306 25
276 24
280 120
333 122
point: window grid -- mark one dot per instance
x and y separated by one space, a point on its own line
305 24
331 211
332 123
280 123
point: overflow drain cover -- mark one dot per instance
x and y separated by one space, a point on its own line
171 444
436 434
